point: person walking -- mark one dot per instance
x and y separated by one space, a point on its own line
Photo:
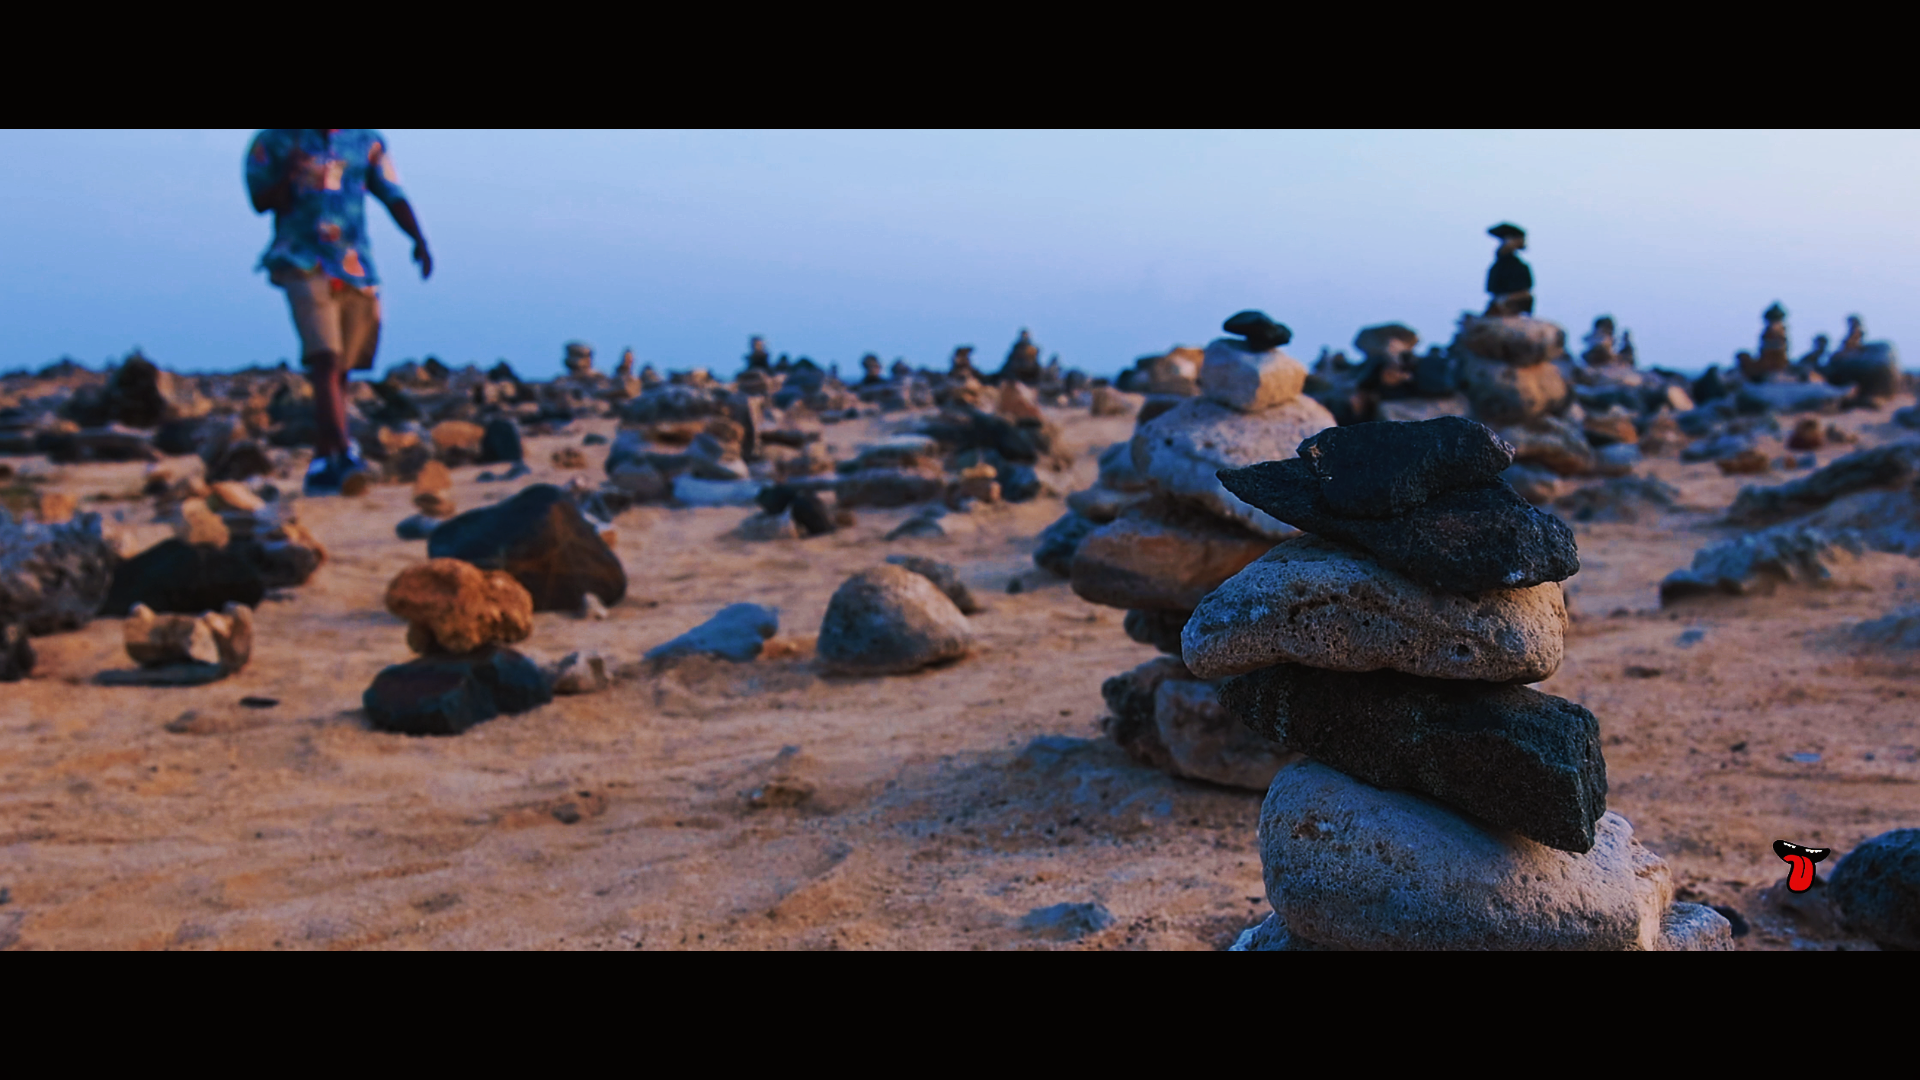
315 180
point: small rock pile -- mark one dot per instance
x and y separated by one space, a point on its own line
460 619
1160 532
184 650
1442 805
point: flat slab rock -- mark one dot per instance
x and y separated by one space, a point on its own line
1182 451
1513 757
1684 928
1160 556
1311 601
447 694
1384 469
1351 866
1465 541
737 632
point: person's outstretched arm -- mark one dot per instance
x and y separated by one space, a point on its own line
383 182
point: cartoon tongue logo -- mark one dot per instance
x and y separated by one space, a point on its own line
1802 860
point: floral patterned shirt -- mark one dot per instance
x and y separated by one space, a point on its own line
325 228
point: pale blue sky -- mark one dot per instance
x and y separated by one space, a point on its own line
1108 245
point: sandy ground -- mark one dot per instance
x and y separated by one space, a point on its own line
762 805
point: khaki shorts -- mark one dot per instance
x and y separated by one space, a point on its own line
344 322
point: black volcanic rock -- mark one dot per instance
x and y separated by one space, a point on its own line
1514 757
1385 469
1464 541
1160 629
1877 889
1054 550
185 579
540 537
500 443
1261 332
447 694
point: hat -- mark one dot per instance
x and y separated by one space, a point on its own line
1508 231
1776 313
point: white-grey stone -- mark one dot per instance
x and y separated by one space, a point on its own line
1352 866
1208 743
1182 449
1249 381
1310 601
1271 935
696 492
1694 928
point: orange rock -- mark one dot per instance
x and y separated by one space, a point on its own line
1018 402
457 442
434 476
1745 463
435 504
452 606
200 525
56 507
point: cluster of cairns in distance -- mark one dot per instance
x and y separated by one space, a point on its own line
1440 803
686 439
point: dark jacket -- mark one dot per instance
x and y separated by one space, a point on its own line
1509 275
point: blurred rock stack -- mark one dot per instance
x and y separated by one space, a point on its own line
1442 805
1159 532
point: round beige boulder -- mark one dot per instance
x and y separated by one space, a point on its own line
889 621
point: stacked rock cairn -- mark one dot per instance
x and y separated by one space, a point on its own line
1440 803
1179 534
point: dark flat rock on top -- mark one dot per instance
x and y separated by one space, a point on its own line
540 537
1464 541
1384 469
1514 757
1261 332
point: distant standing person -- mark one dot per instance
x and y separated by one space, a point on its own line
315 180
1510 281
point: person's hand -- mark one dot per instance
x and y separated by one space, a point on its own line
424 257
